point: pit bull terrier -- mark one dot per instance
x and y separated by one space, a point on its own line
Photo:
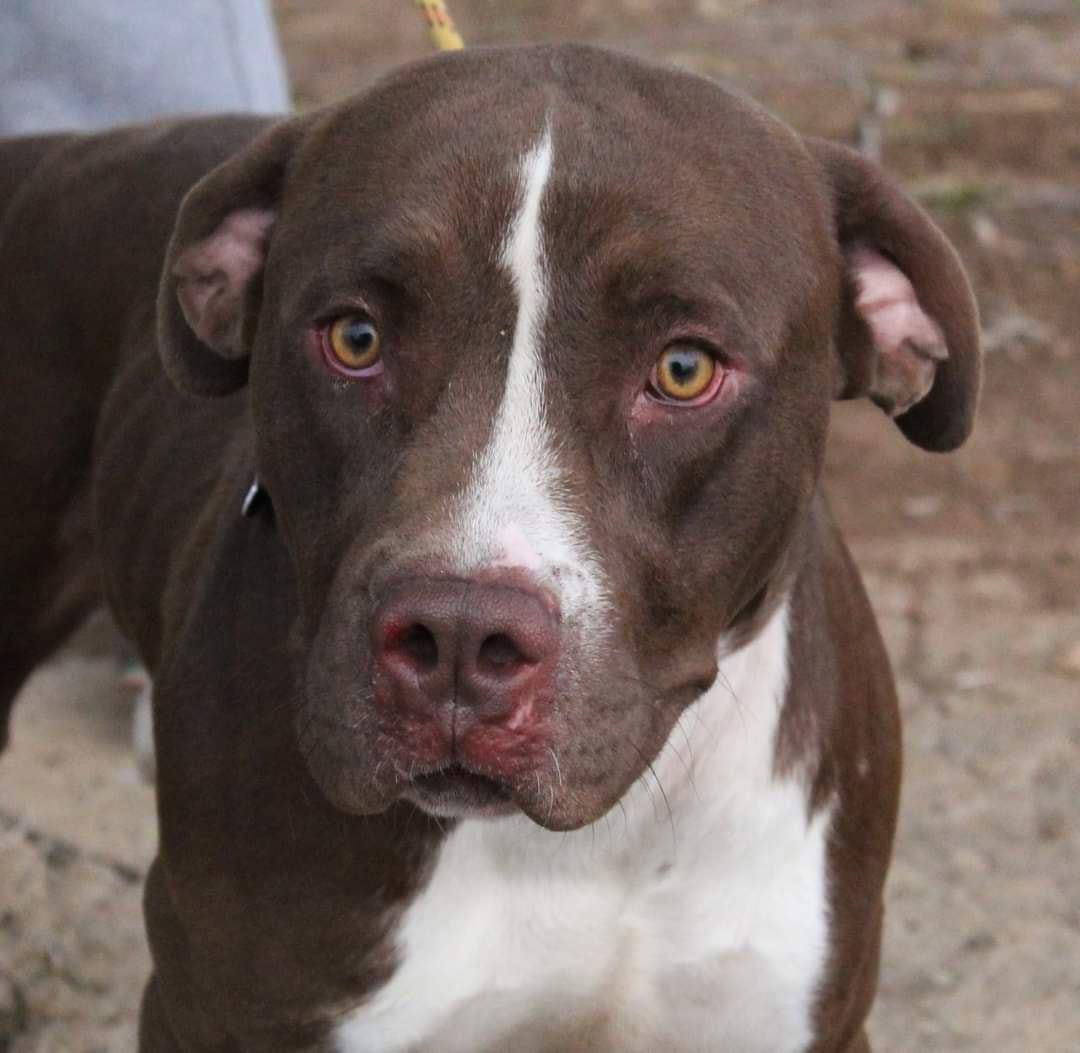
458 483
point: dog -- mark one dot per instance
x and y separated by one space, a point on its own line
451 455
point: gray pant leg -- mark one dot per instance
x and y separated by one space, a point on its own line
92 63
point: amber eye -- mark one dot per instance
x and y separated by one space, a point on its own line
683 373
353 341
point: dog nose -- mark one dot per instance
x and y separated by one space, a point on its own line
478 650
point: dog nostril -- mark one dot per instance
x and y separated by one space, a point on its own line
419 644
500 651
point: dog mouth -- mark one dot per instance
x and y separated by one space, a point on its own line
456 792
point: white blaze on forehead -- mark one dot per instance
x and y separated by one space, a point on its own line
513 512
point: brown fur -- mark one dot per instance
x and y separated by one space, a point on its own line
284 862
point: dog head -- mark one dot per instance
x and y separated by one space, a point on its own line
540 346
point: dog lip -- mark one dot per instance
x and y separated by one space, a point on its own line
460 790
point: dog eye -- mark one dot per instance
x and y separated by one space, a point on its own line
351 344
684 373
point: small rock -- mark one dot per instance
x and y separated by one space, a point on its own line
987 232
983 940
1050 825
1069 660
973 679
1016 332
925 506
1017 506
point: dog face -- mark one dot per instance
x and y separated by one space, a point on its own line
540 392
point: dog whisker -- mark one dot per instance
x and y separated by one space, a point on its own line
691 772
663 793
555 761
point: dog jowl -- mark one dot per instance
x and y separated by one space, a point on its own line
560 637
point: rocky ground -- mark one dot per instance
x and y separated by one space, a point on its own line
973 561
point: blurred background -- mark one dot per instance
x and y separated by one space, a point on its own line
972 560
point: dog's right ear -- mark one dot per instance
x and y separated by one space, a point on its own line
208 296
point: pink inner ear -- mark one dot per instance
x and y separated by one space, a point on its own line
908 342
213 273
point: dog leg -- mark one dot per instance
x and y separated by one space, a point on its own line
48 574
51 595
155 1035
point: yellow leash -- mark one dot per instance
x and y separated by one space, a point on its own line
441 26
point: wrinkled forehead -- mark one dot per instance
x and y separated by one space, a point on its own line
652 176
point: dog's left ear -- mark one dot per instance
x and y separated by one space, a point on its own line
908 333
208 296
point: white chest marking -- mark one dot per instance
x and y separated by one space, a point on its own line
512 512
705 929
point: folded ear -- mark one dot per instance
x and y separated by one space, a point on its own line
909 329
208 297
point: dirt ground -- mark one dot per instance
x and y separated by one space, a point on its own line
972 560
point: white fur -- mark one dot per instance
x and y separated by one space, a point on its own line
512 512
691 919
137 680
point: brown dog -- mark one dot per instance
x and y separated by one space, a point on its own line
535 704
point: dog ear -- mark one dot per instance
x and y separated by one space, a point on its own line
908 334
208 297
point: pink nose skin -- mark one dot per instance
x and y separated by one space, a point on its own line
465 655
